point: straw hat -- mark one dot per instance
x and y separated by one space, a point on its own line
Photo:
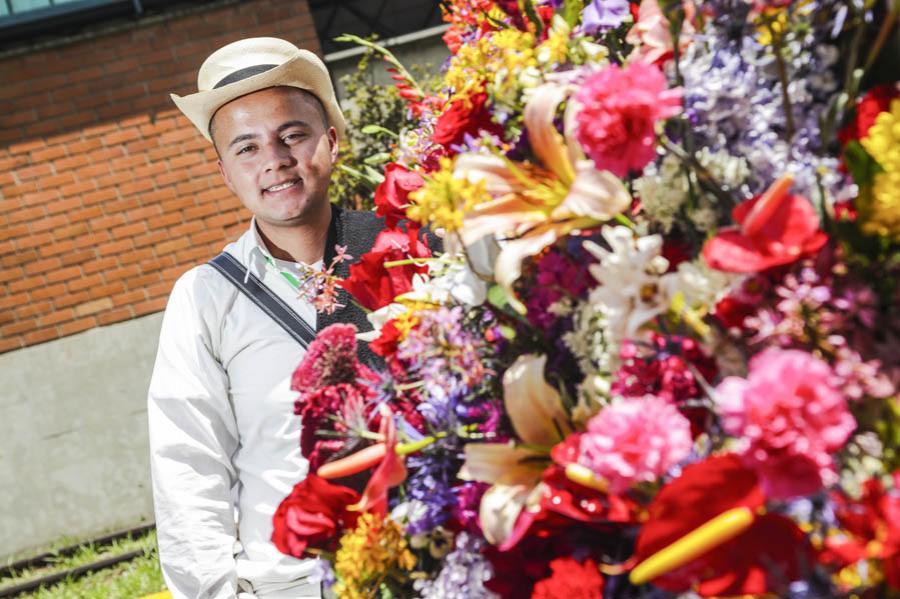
252 64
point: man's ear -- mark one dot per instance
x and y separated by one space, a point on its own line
225 176
333 145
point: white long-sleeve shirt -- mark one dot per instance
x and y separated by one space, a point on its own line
224 439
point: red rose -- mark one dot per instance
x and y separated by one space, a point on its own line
773 229
391 196
375 286
571 580
313 515
464 116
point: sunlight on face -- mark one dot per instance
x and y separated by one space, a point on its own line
276 153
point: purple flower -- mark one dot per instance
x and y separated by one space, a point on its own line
601 15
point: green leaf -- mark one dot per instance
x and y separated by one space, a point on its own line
376 159
572 11
528 8
497 297
375 129
862 166
373 175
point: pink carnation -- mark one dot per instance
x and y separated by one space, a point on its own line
635 440
618 115
793 417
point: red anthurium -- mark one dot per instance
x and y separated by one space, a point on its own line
375 286
391 196
313 515
774 228
389 473
769 554
872 530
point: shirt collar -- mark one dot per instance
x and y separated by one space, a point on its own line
255 254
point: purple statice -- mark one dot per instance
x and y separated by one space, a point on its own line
464 572
603 15
445 356
429 485
733 101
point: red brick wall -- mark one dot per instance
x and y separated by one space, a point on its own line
107 193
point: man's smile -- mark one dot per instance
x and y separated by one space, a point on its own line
279 187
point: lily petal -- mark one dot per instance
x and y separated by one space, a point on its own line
501 463
500 508
596 194
534 407
546 141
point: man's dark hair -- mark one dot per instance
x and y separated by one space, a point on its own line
321 108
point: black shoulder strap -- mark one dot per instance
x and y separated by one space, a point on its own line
263 297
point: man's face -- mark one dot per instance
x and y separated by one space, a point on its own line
276 154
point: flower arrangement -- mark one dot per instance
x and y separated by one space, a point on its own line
658 356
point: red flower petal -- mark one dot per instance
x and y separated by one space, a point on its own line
771 553
787 231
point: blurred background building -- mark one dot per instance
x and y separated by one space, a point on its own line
107 195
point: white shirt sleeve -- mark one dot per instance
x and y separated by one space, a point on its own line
193 437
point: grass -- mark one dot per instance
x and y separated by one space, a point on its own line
127 580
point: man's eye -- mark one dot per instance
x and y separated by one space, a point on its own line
293 137
244 149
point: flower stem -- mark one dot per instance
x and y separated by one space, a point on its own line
883 34
778 44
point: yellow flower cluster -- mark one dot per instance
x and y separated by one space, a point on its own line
555 49
443 200
368 554
498 58
882 216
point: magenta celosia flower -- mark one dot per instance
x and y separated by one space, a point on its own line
618 115
329 360
793 418
635 440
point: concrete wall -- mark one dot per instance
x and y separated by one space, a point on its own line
73 435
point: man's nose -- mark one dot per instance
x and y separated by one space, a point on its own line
278 155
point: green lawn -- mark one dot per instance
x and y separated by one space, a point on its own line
127 580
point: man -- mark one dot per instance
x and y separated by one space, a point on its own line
224 439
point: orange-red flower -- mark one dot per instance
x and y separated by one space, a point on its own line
773 229
764 558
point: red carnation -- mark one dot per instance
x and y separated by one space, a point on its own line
392 194
375 286
464 116
570 580
773 229
313 515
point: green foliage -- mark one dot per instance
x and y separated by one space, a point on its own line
375 113
134 578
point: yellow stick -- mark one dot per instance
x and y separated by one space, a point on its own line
720 529
585 476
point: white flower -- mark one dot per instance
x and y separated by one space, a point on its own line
630 293
700 285
662 190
